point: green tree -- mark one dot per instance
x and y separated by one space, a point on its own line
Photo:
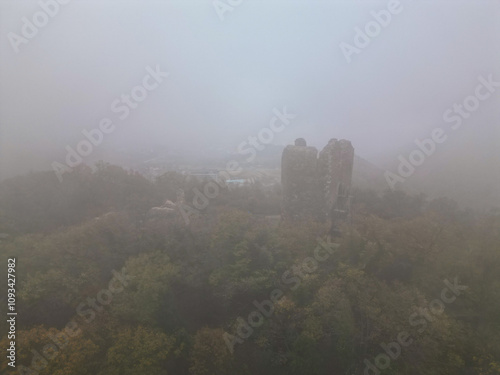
138 351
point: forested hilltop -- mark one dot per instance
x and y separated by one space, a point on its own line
107 286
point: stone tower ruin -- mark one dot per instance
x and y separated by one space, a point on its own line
299 180
317 187
335 173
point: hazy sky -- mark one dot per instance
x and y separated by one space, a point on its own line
227 76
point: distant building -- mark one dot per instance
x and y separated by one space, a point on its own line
238 182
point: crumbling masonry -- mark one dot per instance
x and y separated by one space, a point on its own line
317 187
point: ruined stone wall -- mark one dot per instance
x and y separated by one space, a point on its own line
316 187
335 166
299 181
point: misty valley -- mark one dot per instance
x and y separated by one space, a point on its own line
285 187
